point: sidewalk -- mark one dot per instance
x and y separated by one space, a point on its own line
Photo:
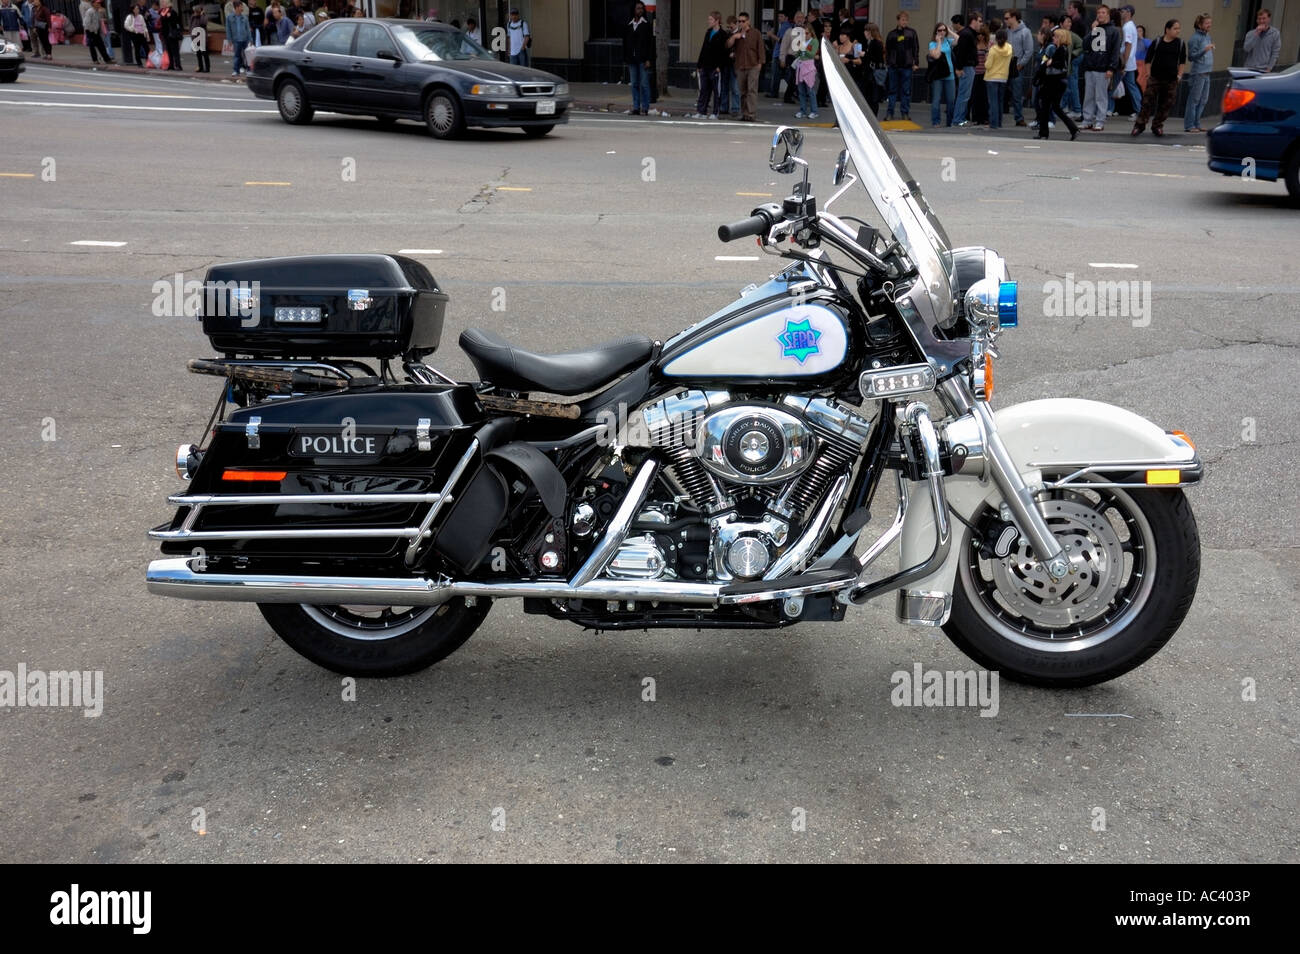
616 98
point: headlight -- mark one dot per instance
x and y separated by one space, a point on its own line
492 89
561 89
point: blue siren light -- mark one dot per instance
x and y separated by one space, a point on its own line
1008 310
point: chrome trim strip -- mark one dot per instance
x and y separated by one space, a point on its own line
304 534
619 524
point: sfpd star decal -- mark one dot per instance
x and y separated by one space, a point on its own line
799 340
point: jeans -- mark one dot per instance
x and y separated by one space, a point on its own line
735 91
710 91
1095 93
639 79
1016 87
964 84
520 58
807 99
900 87
947 89
995 90
1198 94
1131 88
1072 102
237 66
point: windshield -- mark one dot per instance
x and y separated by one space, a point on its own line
439 45
893 191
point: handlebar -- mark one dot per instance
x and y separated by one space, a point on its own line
759 221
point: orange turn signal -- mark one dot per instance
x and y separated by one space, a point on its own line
1181 436
988 377
231 473
1163 476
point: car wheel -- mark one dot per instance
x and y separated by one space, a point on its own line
9 78
292 100
442 114
537 132
1293 175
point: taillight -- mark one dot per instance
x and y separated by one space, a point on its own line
1236 99
233 473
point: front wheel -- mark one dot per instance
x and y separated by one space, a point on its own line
1293 175
1134 563
537 132
443 116
291 98
375 641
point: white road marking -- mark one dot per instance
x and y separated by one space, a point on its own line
1098 715
157 109
98 243
419 251
154 95
1111 265
735 258
1158 175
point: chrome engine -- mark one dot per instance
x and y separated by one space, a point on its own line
748 477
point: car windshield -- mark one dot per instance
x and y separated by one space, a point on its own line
895 194
439 45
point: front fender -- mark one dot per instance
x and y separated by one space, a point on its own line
1051 434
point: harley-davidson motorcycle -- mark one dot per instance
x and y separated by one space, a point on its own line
373 508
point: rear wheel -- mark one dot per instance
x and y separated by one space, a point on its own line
442 114
1134 564
1293 174
375 641
537 132
292 100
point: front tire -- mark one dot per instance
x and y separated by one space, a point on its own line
375 641
443 115
537 132
291 99
1293 175
1135 562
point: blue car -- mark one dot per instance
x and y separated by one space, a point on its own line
1260 131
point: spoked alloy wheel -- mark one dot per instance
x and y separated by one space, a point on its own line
291 99
442 114
375 640
1134 564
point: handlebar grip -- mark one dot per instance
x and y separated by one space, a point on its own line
754 225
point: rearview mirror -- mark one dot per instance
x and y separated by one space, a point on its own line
786 143
841 165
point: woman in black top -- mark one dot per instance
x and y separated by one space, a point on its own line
1050 79
169 28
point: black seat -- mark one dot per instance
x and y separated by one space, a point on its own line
501 363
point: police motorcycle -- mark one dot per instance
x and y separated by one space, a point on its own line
374 508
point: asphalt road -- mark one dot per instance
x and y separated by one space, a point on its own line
608 227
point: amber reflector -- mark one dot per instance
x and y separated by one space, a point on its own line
1162 476
229 474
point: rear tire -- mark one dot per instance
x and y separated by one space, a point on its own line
375 641
291 99
443 115
1134 576
1293 175
537 132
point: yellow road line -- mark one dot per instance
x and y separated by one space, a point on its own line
761 195
514 189
17 175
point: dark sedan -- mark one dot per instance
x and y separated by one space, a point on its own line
405 69
11 61
1260 132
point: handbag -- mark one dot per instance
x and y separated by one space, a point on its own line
938 69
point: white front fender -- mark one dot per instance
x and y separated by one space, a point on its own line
1053 434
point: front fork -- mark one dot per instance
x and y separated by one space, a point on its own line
1024 513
